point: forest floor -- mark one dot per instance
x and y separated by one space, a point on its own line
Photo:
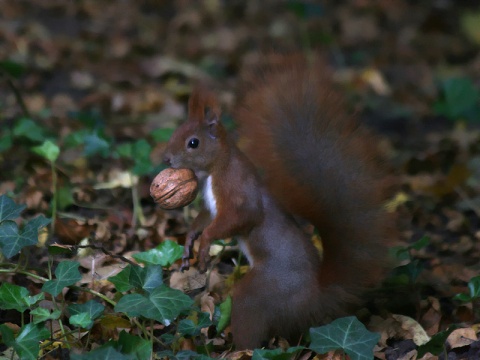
91 90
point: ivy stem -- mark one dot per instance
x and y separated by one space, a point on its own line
55 197
43 279
137 207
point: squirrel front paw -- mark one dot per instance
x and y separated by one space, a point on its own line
203 255
188 249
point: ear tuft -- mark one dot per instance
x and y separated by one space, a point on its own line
203 106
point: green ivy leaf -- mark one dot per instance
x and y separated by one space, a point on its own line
182 355
141 155
276 354
29 129
474 287
82 320
421 243
41 314
189 327
134 345
125 150
94 145
64 196
83 315
134 305
7 335
436 345
163 304
225 314
347 334
8 209
47 150
148 278
169 303
27 343
461 98
163 134
76 138
122 279
17 297
164 254
12 240
106 351
66 274
59 249
464 298
12 68
6 140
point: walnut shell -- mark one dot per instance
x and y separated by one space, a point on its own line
174 188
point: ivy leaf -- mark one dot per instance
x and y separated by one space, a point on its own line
29 129
134 305
147 278
122 279
460 99
423 242
41 314
436 345
47 150
164 304
12 68
8 209
162 134
225 314
12 240
6 140
347 334
82 320
276 354
164 254
141 155
94 144
17 297
134 345
66 274
474 289
7 335
27 343
106 351
182 355
192 327
92 307
169 303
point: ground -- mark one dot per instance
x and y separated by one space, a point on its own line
91 90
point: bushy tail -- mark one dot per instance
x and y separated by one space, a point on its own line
319 164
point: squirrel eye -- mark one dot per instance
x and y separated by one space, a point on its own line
193 143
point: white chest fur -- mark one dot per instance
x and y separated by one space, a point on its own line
209 197
211 204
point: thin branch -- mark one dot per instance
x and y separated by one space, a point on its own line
17 94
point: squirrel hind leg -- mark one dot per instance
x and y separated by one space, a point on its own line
250 315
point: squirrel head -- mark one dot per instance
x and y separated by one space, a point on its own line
198 143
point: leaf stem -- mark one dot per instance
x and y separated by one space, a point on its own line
137 207
55 197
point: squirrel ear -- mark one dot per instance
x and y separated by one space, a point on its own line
211 119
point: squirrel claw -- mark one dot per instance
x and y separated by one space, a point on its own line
185 264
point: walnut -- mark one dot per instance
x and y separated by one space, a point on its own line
174 188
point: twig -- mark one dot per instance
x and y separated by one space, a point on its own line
17 94
105 251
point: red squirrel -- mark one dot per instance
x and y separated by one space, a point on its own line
316 163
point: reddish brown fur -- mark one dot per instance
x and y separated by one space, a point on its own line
318 164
